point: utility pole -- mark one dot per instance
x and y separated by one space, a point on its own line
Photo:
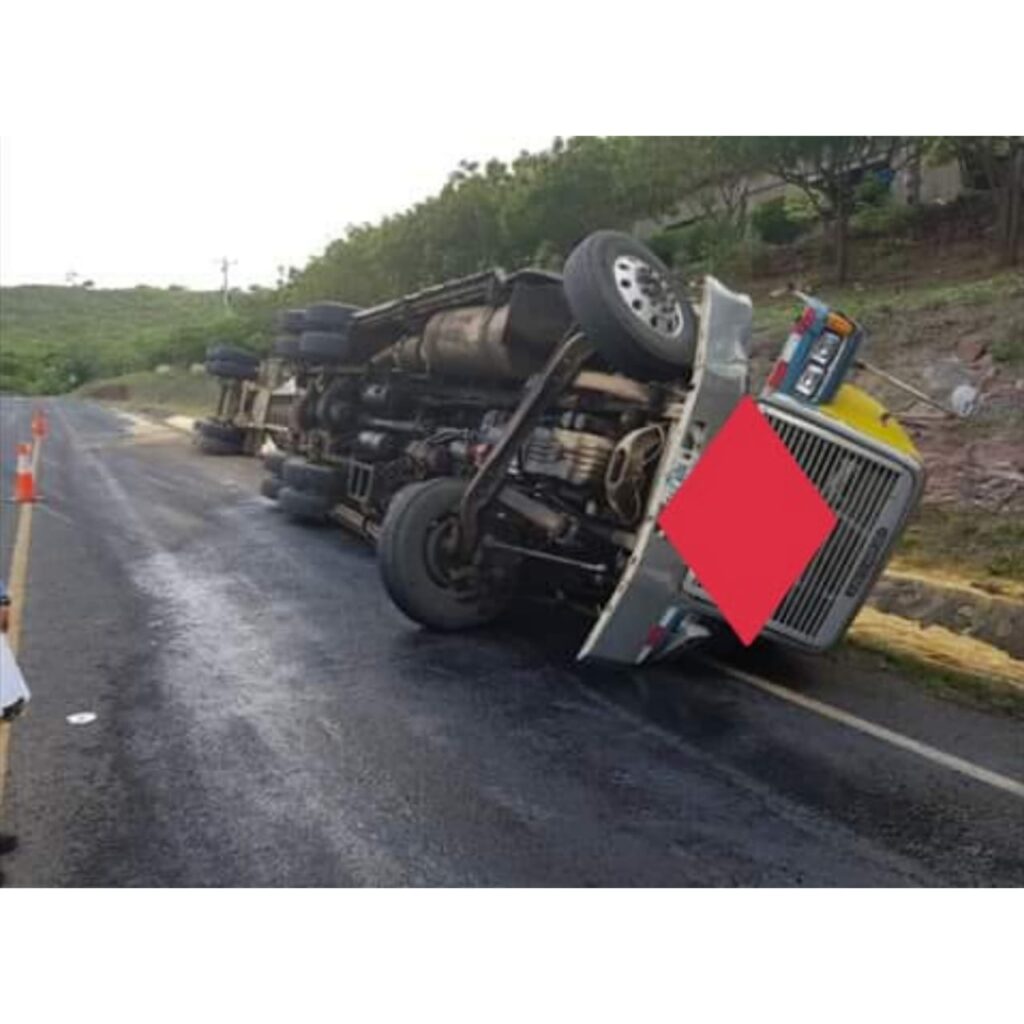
225 269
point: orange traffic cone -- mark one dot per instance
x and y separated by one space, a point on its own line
39 425
24 479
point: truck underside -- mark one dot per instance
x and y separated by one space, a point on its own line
511 434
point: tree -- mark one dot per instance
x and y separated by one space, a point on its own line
723 167
826 169
996 162
532 210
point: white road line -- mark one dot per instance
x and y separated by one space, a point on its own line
879 732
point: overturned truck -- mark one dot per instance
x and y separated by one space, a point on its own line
253 399
518 434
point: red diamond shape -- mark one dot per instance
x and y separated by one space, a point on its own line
747 520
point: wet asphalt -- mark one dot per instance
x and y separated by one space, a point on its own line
265 717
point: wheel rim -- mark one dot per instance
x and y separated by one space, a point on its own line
438 547
442 563
648 295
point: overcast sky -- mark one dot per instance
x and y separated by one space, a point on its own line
123 211
141 142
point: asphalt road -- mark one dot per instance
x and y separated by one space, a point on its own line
265 717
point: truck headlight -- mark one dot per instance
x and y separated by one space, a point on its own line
810 380
826 348
816 356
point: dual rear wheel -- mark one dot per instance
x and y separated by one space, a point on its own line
215 438
305 491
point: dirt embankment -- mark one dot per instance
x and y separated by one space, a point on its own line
940 319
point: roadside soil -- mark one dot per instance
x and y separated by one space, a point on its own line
937 316
942 319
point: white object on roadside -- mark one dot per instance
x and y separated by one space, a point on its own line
14 691
81 718
964 399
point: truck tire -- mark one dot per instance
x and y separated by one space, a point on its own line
232 354
307 508
324 346
413 564
232 370
270 487
215 446
228 433
329 316
292 321
623 298
286 346
334 409
312 477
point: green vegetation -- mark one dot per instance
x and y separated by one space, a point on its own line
1009 349
531 210
971 540
780 221
174 391
535 208
52 338
713 245
772 316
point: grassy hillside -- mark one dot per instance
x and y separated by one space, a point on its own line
53 314
52 338
175 391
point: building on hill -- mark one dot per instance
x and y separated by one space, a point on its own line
910 182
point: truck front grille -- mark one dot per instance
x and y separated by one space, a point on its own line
870 495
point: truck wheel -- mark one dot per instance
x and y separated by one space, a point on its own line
292 321
329 316
231 369
270 487
286 346
231 354
324 346
623 298
215 446
334 409
419 573
227 433
312 477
